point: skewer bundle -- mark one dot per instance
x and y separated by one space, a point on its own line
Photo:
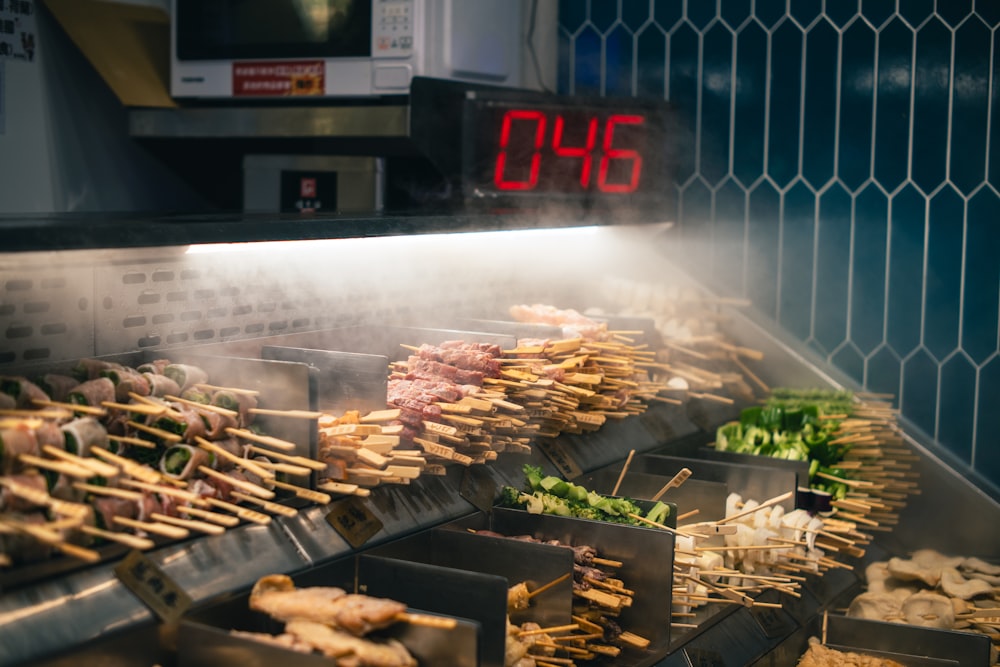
860 467
120 454
358 452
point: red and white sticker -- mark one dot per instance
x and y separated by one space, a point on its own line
278 78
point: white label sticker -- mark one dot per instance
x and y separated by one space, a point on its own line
17 30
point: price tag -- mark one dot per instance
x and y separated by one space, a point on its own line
774 622
479 488
560 458
352 519
152 585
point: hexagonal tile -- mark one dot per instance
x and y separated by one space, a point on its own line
603 14
651 44
786 98
989 10
618 62
563 75
849 360
931 83
944 272
916 11
683 84
819 119
734 12
857 92
987 455
572 15
878 11
635 13
798 233
763 220
871 241
883 372
918 401
970 105
832 267
716 97
668 13
805 11
841 12
906 271
729 230
586 74
700 14
892 120
993 176
750 103
769 12
957 406
953 11
980 318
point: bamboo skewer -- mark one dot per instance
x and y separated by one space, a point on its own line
253 516
427 620
190 524
55 540
137 408
92 410
678 479
205 407
99 468
302 492
274 508
767 503
166 436
128 466
108 491
235 390
226 520
131 541
155 528
63 467
250 487
128 440
246 464
621 476
277 443
293 414
545 587
180 494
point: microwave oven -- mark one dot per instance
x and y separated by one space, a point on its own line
348 48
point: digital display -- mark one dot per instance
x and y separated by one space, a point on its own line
519 149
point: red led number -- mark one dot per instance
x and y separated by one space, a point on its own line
609 154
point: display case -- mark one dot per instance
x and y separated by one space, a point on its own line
257 300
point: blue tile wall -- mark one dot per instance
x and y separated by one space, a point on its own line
840 167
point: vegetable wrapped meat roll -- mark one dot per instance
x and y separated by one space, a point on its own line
127 380
216 425
154 367
90 369
14 442
57 386
93 392
83 433
22 390
161 385
239 401
182 461
188 423
185 375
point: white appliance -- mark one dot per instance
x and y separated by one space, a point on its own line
352 48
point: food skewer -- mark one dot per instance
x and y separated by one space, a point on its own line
274 508
207 407
277 443
545 587
227 520
129 440
235 390
131 541
295 460
99 468
92 410
293 414
767 503
137 408
110 491
250 487
678 479
244 463
621 476
166 436
190 524
63 467
302 492
245 513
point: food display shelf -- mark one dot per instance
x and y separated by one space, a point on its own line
88 616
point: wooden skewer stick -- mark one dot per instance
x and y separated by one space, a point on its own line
54 539
302 492
137 408
190 524
277 443
128 440
96 467
166 436
274 508
545 587
39 497
235 390
206 407
345 489
295 460
674 482
642 519
294 414
227 520
180 494
155 402
63 467
155 528
250 487
253 516
108 491
287 468
607 562
427 620
767 503
688 514
621 476
550 630
84 409
131 541
129 467
246 464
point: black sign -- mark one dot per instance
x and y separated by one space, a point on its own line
308 191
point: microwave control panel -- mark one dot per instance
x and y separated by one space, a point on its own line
392 28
